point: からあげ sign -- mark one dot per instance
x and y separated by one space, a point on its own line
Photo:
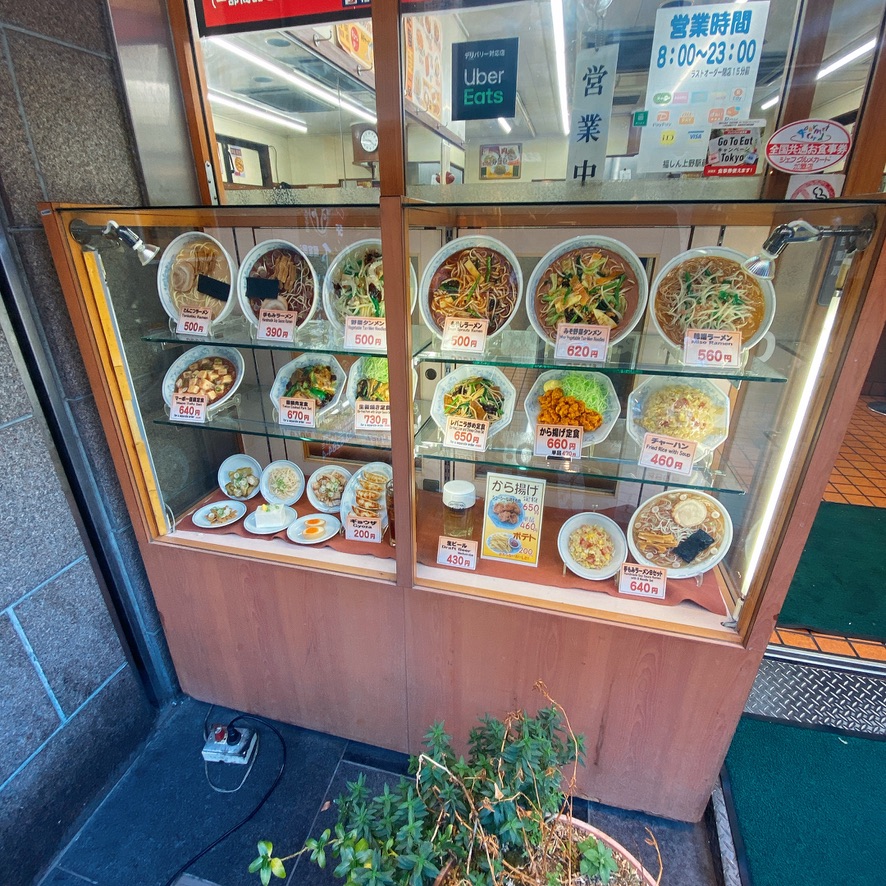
484 79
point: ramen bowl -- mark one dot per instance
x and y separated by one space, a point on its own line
655 407
352 262
706 307
449 287
559 266
678 514
188 257
459 376
277 262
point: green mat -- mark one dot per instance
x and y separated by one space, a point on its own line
809 804
840 584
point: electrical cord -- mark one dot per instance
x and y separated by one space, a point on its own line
251 815
219 790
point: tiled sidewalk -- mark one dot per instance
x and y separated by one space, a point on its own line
859 476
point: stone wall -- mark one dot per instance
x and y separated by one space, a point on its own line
72 707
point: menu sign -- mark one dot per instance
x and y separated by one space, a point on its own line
465 334
643 581
712 347
363 529
297 412
194 321
236 16
558 441
667 454
370 415
581 341
188 407
512 519
460 553
366 334
702 74
276 325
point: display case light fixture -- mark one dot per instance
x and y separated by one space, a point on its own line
114 233
800 231
302 83
560 58
266 114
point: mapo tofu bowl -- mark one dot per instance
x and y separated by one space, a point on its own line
207 370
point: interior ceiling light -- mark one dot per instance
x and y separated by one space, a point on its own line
300 82
244 107
770 103
847 59
504 124
560 55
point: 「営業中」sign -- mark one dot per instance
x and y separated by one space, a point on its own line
701 75
808 146
591 112
484 79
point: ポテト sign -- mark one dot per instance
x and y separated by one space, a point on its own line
808 146
484 79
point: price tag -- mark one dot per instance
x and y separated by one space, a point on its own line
460 334
558 441
366 334
276 325
667 454
372 416
459 553
712 347
188 407
363 529
194 321
298 412
466 433
643 581
582 341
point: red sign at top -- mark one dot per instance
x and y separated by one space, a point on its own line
235 16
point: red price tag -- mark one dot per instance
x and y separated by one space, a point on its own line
366 334
558 441
459 553
188 407
582 342
297 412
363 529
276 325
372 416
460 334
194 321
466 433
667 454
643 581
712 347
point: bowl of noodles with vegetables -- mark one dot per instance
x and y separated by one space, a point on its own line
477 392
354 285
692 409
566 397
593 280
318 377
276 275
471 277
368 380
592 546
196 271
708 288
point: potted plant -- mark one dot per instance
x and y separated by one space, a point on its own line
499 816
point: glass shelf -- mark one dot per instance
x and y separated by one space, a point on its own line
613 459
316 336
523 348
254 415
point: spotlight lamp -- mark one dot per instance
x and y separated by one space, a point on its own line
114 233
800 231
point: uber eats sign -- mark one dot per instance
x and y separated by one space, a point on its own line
484 79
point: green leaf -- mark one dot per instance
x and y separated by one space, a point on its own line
265 848
277 868
256 864
265 875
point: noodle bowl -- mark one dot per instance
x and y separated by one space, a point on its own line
293 285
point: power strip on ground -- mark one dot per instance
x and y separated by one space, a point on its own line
229 745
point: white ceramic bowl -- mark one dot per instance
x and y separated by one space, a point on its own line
278 388
198 353
314 499
631 319
491 373
610 416
715 252
248 263
356 250
591 518
698 567
232 463
637 403
273 497
451 248
164 271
